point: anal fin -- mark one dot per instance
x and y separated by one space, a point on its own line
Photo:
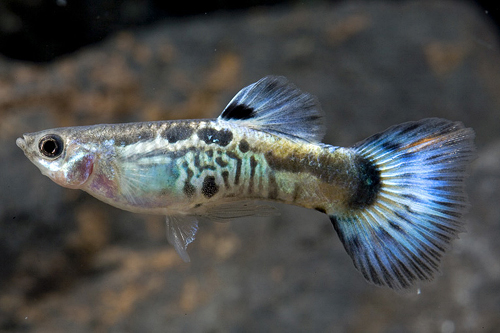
224 212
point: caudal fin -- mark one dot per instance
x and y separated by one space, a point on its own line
400 237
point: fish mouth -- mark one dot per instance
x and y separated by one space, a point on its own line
21 143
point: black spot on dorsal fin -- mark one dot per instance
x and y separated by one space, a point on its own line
237 111
274 105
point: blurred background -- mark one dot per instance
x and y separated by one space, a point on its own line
71 263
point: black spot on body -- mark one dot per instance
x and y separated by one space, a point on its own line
237 111
189 189
209 188
296 192
177 133
201 167
253 165
238 166
368 186
273 187
197 161
211 135
178 153
244 146
210 153
225 177
220 161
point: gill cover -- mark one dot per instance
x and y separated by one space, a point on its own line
63 159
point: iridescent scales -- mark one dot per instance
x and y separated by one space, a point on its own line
396 199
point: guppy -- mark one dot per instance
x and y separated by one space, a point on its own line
395 199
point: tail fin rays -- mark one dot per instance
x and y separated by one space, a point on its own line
399 239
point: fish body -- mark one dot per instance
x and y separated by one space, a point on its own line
396 199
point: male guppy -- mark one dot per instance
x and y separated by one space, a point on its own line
395 199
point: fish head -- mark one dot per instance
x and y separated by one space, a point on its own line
59 155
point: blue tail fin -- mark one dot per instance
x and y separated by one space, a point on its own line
400 237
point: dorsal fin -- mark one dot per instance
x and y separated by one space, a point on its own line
274 105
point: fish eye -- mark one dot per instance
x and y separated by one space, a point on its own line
51 145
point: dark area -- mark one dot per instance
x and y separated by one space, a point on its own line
492 9
42 30
238 111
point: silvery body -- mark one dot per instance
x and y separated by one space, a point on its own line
395 199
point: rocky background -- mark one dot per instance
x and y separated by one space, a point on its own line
71 263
